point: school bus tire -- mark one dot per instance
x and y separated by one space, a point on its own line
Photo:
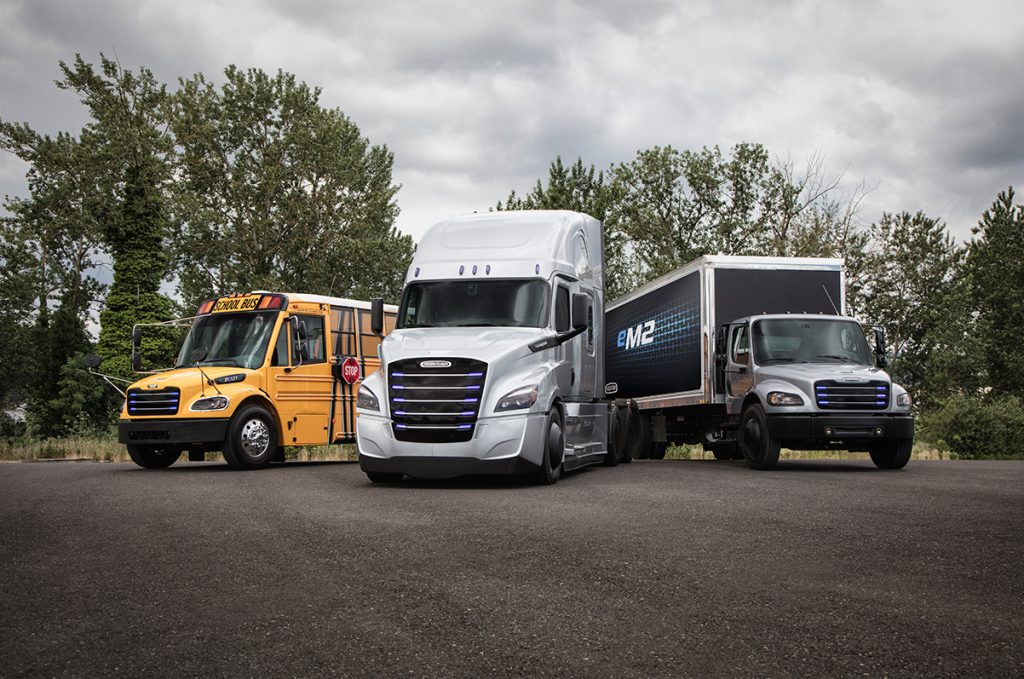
251 441
153 457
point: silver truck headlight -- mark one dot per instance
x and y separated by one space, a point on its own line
211 403
367 400
524 397
904 400
783 398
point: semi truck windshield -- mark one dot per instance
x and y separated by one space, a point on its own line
809 341
507 303
230 339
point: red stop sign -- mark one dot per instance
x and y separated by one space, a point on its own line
350 370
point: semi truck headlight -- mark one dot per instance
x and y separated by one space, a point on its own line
904 400
782 398
366 399
523 397
211 403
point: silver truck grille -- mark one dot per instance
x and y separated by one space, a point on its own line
834 395
435 400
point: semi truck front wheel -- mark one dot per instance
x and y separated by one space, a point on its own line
554 447
153 457
759 448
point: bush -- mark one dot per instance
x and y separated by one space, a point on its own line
977 427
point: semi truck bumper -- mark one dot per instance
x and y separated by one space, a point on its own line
184 432
816 429
500 445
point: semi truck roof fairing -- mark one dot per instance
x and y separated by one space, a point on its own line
512 244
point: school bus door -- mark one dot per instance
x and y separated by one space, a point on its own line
300 379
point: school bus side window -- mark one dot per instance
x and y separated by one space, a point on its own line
280 357
310 349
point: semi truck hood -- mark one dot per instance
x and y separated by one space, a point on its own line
483 344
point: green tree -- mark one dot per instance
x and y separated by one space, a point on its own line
278 192
51 241
130 140
913 269
996 266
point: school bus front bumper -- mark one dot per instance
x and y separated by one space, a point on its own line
186 432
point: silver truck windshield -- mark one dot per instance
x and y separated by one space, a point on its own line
230 339
507 303
800 340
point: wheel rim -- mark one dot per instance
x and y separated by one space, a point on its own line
255 437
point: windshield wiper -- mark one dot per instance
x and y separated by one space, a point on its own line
418 325
838 358
784 360
478 325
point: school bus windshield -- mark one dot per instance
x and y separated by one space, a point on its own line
230 339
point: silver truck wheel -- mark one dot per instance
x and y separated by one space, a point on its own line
554 446
759 448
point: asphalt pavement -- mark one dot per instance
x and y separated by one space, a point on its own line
657 568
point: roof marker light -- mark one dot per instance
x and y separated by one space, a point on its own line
474 269
462 269
487 269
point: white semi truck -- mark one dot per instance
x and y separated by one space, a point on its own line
504 360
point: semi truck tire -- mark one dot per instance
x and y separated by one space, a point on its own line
892 454
153 457
759 448
252 438
554 447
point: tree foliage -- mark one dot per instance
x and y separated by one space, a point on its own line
996 268
278 192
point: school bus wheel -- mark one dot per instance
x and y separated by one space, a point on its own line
251 442
153 457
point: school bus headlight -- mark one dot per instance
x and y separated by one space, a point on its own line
366 399
211 403
781 398
518 399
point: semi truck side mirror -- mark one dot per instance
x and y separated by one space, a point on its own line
580 311
880 347
377 316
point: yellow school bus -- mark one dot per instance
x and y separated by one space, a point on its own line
256 372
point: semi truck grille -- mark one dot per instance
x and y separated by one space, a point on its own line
435 400
833 395
161 402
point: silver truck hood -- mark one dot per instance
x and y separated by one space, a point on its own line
822 371
483 344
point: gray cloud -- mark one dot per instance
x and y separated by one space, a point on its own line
922 99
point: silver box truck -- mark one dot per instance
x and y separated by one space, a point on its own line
498 360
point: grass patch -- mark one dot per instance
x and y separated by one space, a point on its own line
923 450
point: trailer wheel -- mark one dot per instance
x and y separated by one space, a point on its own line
153 457
611 458
892 454
759 448
554 447
252 438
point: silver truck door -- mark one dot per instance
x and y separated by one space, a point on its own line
739 375
565 373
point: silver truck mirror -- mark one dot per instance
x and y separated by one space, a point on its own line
580 311
377 316
880 359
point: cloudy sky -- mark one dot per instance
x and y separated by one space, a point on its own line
922 100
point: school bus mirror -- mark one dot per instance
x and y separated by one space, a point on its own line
92 361
136 361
